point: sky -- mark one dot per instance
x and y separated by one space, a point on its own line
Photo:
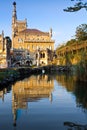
43 15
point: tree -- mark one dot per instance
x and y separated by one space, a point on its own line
78 6
70 42
81 32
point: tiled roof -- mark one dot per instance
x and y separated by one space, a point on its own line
34 32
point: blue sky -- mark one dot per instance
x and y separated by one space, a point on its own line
43 15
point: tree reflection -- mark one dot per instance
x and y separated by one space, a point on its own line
76 126
79 89
67 81
81 94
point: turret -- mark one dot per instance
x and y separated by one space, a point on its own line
50 32
14 19
2 40
14 16
26 23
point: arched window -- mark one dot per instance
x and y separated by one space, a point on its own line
36 56
43 55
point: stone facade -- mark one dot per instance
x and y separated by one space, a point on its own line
73 53
32 40
5 45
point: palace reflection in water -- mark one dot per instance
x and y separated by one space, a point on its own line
52 102
32 89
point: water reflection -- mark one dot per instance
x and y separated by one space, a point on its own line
32 89
55 101
76 126
79 89
81 95
67 81
4 90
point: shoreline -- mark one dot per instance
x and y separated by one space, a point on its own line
11 75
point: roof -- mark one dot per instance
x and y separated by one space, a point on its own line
34 32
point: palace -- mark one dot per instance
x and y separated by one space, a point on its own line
30 43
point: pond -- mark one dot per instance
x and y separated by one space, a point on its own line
44 102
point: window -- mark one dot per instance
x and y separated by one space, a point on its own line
36 56
43 55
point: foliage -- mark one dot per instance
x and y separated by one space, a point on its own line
6 73
68 59
81 94
82 67
72 41
80 4
81 32
61 46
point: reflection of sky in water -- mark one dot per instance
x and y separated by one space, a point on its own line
42 113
